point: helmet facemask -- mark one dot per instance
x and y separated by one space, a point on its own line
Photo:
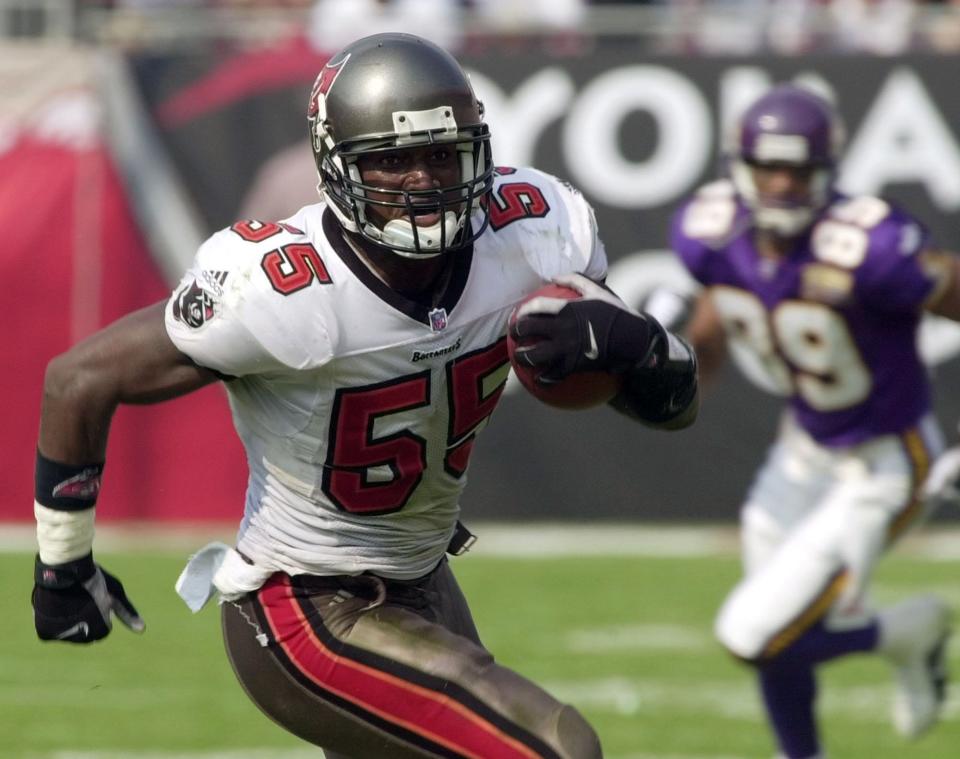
342 186
386 93
789 126
784 218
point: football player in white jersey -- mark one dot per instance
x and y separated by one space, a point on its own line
362 343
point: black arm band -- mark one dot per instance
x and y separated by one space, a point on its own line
63 576
661 390
66 487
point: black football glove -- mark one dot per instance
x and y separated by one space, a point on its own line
74 601
594 333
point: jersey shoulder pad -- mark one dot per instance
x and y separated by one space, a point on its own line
709 214
717 188
857 230
244 243
531 207
524 195
704 224
231 311
878 244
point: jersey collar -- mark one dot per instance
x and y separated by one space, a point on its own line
415 309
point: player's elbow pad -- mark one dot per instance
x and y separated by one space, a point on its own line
661 390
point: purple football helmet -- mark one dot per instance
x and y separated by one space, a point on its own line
789 125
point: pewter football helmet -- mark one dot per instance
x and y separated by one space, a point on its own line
390 91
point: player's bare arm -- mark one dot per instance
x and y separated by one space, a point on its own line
946 299
706 335
130 361
942 486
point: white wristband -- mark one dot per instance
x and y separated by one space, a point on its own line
63 535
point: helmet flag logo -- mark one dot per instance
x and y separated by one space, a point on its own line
324 81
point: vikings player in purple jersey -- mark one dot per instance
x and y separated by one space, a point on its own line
818 297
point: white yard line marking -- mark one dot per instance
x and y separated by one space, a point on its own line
256 753
625 696
731 700
617 639
554 539
675 756
885 592
500 539
295 754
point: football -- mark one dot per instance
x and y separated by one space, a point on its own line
576 391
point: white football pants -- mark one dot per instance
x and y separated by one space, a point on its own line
814 524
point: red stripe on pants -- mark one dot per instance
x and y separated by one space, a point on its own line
435 716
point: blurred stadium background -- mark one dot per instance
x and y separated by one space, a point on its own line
132 129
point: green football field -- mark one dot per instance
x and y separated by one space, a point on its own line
626 638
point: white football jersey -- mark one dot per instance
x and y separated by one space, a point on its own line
358 408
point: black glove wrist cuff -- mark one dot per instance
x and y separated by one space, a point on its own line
660 388
66 487
654 344
63 576
634 341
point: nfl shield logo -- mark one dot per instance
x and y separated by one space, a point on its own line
438 319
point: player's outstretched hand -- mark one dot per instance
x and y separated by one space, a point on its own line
596 331
74 601
942 485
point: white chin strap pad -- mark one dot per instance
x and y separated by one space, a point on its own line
398 233
783 221
787 222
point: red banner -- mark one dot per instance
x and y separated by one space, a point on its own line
72 261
